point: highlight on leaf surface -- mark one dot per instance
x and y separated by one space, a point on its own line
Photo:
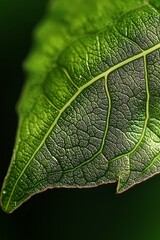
90 108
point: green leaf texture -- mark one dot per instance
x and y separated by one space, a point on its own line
90 108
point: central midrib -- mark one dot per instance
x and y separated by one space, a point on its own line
107 72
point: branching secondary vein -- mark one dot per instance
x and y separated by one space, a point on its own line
146 119
105 131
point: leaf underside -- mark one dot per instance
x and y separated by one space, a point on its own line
90 110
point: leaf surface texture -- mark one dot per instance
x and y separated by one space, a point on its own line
90 108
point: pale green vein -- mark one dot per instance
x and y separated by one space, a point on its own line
105 131
155 159
147 108
50 103
70 79
137 56
146 118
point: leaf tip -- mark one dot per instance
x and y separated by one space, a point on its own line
5 203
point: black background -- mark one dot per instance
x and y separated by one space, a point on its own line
88 214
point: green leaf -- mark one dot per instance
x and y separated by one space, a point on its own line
90 108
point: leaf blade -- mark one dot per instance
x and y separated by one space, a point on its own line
123 55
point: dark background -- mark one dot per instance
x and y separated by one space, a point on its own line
86 214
